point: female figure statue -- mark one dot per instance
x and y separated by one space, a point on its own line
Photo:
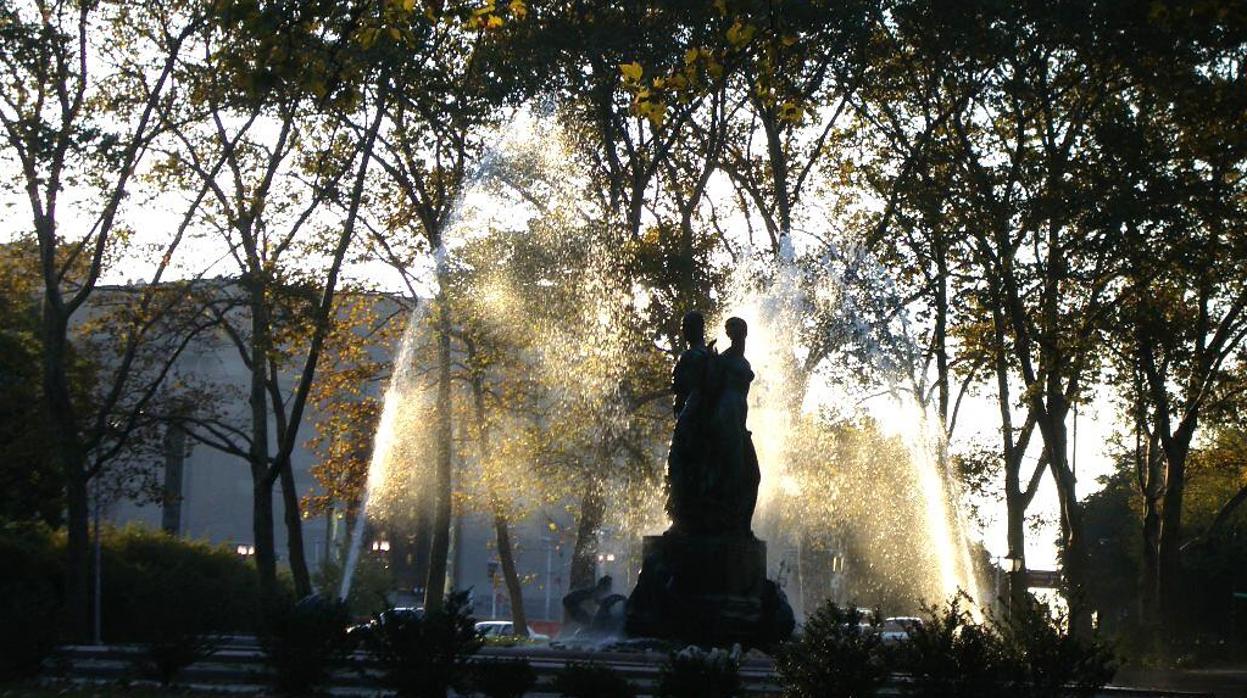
737 461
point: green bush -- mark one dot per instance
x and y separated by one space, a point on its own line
950 655
30 601
1030 654
506 678
589 680
159 589
424 654
1045 661
696 673
303 642
836 656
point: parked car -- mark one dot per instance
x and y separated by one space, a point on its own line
504 628
898 628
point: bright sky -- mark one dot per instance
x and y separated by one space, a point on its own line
979 420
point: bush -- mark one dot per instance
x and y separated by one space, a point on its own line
836 656
950 655
158 588
424 654
589 680
1044 660
30 602
1029 654
696 673
508 678
304 641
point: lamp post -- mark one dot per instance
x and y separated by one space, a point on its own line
1017 582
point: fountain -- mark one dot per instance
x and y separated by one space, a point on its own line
819 476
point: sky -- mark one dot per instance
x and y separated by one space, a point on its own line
151 220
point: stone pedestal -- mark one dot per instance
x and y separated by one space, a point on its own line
707 590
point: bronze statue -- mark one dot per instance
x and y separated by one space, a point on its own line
712 468
704 580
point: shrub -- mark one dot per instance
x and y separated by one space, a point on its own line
508 678
1045 661
696 673
424 654
1030 654
950 655
589 680
836 656
157 588
304 641
30 601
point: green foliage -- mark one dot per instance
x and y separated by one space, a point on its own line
372 581
1030 653
508 678
952 655
590 680
696 673
159 589
1047 661
303 642
30 600
424 654
837 656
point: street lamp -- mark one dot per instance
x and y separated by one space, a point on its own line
381 546
245 550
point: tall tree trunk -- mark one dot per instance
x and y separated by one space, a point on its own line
261 481
422 544
1149 580
510 575
1015 514
584 554
70 460
1169 575
262 531
1073 547
294 531
435 587
506 557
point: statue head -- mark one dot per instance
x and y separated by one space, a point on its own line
694 327
737 329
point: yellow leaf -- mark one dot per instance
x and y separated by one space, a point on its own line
631 71
518 9
721 6
740 34
493 22
789 40
395 34
409 5
690 56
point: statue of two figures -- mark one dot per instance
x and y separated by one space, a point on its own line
712 468
704 580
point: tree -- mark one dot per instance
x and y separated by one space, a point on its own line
1173 163
434 128
277 132
79 131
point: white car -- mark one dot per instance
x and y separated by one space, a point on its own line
504 628
898 628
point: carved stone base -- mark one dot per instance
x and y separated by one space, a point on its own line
707 590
